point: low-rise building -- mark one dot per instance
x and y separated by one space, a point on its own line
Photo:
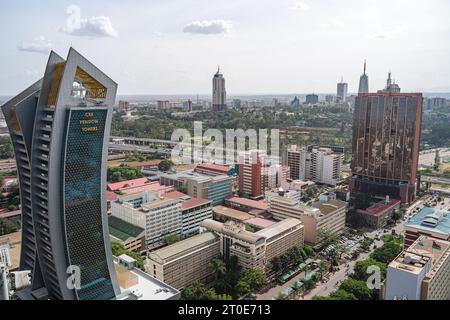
254 250
210 169
223 214
10 247
420 272
159 216
429 222
135 284
130 236
186 261
214 188
162 214
330 217
247 205
282 207
282 236
376 216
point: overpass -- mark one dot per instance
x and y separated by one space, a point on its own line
436 180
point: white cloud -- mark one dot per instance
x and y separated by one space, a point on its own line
209 27
333 24
38 44
95 26
302 6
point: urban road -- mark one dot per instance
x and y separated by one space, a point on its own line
333 279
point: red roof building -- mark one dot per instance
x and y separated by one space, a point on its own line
213 169
118 186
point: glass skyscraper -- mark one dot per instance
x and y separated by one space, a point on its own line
59 128
386 136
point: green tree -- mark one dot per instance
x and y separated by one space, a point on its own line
6 149
322 269
387 252
282 296
358 288
165 165
243 288
360 269
217 266
328 237
118 249
7 227
342 295
255 278
172 239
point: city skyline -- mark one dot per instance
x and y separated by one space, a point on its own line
296 35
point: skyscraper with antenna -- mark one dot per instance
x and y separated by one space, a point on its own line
219 94
364 81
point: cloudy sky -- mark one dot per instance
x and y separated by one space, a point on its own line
277 46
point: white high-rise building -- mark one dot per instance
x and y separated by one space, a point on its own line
219 94
319 164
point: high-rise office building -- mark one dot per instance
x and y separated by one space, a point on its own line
219 95
391 86
312 98
342 89
364 81
59 128
386 134
250 173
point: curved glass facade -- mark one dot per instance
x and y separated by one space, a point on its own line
82 202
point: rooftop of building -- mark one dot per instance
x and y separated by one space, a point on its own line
15 243
330 206
123 230
429 219
174 194
194 202
150 163
183 246
117 186
249 203
380 208
232 213
214 167
135 284
233 229
111 196
260 222
279 227
417 256
150 186
10 214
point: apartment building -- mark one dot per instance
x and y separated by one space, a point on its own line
159 216
250 174
420 272
319 164
214 188
186 261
